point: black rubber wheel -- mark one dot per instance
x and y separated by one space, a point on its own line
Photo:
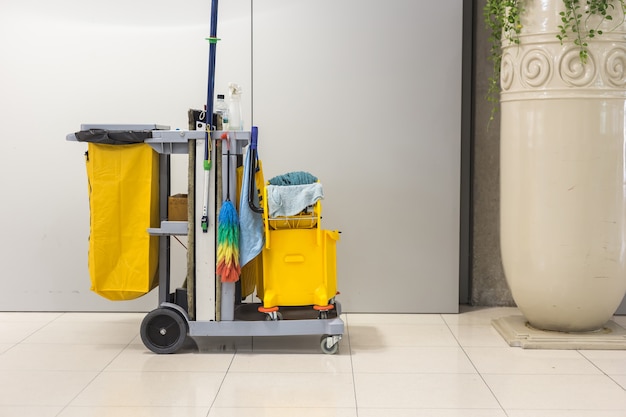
163 330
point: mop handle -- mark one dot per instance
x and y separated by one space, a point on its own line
254 137
208 116
211 84
228 174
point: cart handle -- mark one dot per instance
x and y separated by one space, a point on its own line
254 137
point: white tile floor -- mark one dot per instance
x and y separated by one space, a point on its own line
393 365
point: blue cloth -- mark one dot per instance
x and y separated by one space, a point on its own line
251 238
293 178
289 200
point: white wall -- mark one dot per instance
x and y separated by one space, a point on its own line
70 62
367 96
393 191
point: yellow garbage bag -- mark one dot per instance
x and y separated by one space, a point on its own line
124 203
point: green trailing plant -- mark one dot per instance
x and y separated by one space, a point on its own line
502 18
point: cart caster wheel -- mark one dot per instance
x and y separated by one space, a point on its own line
271 313
330 344
163 330
273 316
323 310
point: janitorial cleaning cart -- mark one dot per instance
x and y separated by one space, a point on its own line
259 262
294 273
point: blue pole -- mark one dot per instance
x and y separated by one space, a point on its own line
211 83
208 118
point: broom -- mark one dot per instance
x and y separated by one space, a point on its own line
228 267
204 221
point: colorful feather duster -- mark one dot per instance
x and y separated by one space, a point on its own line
228 267
228 243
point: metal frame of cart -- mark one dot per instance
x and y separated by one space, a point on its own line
164 329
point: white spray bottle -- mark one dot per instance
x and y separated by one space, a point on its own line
235 117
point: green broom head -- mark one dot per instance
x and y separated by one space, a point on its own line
228 243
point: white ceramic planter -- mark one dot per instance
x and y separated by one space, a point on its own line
563 174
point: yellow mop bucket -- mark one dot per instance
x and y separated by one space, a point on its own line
124 203
299 259
299 267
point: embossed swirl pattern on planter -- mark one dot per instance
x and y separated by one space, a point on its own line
616 67
556 70
507 71
536 68
572 70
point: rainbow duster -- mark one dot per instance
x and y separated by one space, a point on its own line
228 243
228 267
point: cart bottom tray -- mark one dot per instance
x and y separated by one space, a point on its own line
165 329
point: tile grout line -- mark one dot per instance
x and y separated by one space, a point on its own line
600 369
97 375
232 359
43 326
474 366
356 403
